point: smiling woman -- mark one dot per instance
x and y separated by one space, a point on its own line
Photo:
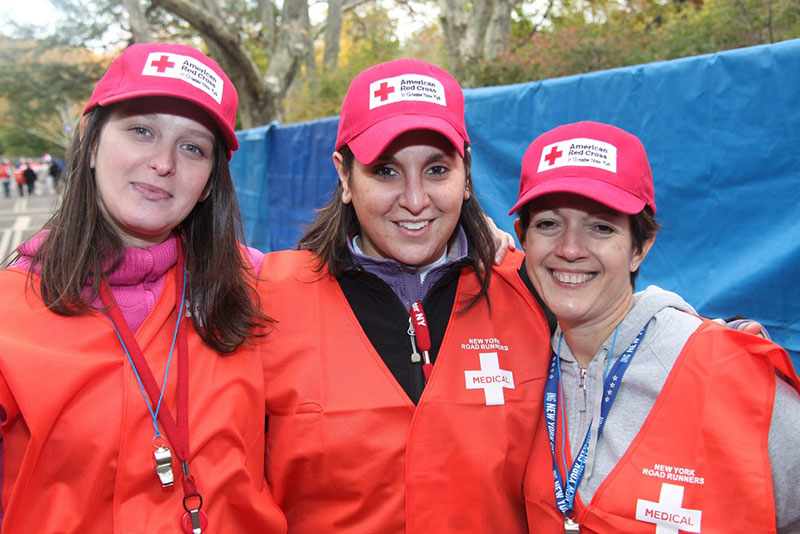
580 255
135 310
654 415
409 199
152 166
401 366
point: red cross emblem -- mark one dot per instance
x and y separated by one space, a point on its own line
384 91
162 64
553 155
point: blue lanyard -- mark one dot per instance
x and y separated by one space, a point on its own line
565 495
154 413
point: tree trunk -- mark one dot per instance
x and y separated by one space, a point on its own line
465 33
293 42
471 47
454 22
333 34
260 98
268 19
498 32
310 59
137 21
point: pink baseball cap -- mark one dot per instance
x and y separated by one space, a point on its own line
395 97
173 70
591 159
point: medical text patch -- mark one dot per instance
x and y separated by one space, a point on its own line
490 378
184 68
668 513
579 152
407 87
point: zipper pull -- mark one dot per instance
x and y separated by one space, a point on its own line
582 387
415 356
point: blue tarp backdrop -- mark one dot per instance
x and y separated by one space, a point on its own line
722 132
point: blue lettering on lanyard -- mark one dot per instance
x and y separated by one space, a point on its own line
565 497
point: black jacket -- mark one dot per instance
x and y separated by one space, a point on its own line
29 174
384 319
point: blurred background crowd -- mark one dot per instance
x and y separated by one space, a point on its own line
28 176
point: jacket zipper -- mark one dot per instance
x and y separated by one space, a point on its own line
581 404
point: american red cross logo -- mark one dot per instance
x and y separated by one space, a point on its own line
163 64
384 91
553 155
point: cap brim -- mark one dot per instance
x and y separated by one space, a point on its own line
598 190
371 143
231 141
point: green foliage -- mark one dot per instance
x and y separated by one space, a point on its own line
318 97
427 44
40 87
16 144
586 36
549 38
89 22
104 23
727 24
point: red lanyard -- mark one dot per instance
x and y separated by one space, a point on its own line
194 521
423 336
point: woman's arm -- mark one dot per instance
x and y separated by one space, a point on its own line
783 458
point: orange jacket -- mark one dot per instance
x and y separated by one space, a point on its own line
700 459
78 437
348 452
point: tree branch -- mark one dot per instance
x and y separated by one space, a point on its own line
319 28
215 29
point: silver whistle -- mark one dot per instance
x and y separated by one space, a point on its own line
164 466
571 526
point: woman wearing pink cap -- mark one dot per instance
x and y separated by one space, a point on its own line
130 397
656 420
404 381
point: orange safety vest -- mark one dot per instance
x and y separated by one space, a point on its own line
78 439
700 460
347 450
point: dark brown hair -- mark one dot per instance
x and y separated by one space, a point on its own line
335 222
643 227
81 242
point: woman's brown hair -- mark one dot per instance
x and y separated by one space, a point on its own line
335 222
81 242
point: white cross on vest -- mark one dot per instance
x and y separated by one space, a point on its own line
491 378
667 513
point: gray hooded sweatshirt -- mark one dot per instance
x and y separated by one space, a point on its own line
671 323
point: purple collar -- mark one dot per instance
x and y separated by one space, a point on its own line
407 282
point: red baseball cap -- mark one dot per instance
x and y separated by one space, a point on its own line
395 97
591 159
173 70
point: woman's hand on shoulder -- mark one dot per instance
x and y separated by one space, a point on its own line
743 324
